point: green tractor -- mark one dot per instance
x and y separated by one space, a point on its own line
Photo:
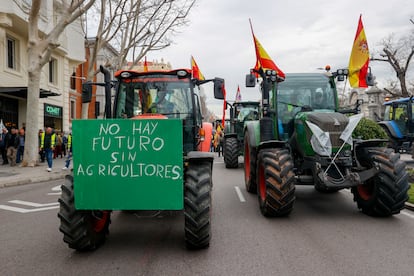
150 153
302 138
240 113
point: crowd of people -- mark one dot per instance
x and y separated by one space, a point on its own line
217 139
52 145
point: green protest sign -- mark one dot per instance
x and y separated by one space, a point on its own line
128 164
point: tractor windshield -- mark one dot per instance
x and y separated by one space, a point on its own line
312 90
155 93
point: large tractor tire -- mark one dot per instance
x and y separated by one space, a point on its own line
82 230
386 193
249 166
231 152
197 205
275 182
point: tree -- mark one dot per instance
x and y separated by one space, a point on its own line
398 53
134 28
40 47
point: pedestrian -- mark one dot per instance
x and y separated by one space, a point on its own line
69 151
41 150
47 143
3 137
58 146
12 145
20 148
64 143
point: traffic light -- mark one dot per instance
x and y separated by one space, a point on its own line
86 92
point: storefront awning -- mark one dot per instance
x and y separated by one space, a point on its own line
21 92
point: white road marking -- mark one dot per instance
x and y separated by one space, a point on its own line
33 204
239 194
24 211
408 214
56 188
38 206
59 193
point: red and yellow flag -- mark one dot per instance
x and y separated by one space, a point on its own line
145 64
196 71
223 120
359 60
263 60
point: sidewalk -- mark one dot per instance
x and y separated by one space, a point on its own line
13 176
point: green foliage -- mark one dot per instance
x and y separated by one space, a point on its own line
411 195
368 129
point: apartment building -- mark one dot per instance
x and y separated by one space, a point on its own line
58 95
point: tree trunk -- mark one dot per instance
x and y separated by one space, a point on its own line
31 150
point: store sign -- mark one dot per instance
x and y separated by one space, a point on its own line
53 111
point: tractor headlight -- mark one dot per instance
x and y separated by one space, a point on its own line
125 74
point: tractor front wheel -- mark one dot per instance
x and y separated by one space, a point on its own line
275 182
249 165
197 205
386 193
231 152
82 230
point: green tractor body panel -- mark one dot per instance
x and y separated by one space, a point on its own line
128 164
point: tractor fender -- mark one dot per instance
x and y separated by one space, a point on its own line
272 144
230 135
205 143
195 157
392 129
253 130
371 143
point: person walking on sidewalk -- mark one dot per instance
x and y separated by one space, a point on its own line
12 146
4 137
47 143
20 148
69 151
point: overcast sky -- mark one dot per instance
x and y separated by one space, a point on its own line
300 36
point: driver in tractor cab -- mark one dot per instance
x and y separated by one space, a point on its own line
162 105
319 103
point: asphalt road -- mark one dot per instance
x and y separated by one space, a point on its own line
324 235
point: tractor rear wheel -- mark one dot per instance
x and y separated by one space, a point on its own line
197 205
386 193
249 166
231 152
275 182
82 230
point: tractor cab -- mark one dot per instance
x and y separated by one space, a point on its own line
398 123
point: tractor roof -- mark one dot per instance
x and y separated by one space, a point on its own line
400 100
135 73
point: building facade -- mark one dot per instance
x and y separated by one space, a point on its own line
58 95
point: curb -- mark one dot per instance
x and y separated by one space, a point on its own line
32 181
409 206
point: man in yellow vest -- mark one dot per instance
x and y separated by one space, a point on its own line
47 143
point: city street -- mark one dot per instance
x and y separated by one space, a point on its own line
324 235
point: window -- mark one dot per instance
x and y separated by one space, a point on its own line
72 109
53 71
12 53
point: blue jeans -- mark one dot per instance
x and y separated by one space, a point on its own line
68 158
49 157
20 152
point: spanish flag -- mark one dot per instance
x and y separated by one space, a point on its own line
223 120
359 60
196 71
263 60
145 64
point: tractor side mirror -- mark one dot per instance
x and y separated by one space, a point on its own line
86 92
219 88
250 80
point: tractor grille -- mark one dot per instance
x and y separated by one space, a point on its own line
334 123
